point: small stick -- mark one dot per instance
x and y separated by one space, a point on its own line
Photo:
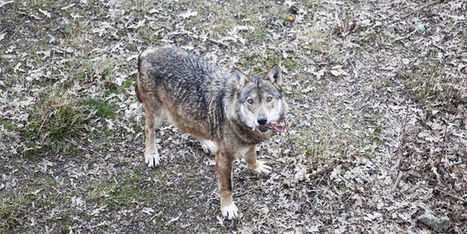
453 196
408 35
218 43
399 177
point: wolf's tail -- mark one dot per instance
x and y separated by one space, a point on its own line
138 95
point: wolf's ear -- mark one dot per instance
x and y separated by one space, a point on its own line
242 78
274 75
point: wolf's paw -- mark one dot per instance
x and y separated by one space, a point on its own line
152 159
262 168
230 211
209 147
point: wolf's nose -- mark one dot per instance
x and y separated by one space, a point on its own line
262 121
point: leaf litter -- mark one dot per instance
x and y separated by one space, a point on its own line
376 142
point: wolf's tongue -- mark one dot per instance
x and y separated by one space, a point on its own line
276 127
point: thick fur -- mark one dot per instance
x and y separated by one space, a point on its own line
222 109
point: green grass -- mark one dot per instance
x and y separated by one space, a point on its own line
123 192
30 199
129 82
13 213
260 65
127 191
39 199
260 34
328 138
98 69
104 109
429 84
59 120
54 121
8 124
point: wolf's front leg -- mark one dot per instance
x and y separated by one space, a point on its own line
151 156
256 165
224 179
154 117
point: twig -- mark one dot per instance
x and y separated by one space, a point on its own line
439 47
421 8
330 118
451 195
400 151
444 141
399 177
218 43
405 37
323 170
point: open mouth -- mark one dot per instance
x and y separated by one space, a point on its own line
273 126
262 128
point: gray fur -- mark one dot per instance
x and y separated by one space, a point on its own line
201 89
221 108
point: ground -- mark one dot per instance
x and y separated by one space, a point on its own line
377 117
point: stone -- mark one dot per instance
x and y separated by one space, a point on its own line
437 224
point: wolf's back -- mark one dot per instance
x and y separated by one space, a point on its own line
184 83
172 66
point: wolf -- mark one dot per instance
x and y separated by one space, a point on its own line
229 112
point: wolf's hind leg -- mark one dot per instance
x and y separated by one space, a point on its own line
154 117
256 165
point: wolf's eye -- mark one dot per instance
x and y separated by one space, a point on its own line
250 101
268 99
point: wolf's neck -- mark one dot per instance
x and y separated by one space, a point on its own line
244 134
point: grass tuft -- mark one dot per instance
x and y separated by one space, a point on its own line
8 124
434 85
104 109
12 214
53 122
120 193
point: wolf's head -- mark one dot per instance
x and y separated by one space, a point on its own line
260 103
